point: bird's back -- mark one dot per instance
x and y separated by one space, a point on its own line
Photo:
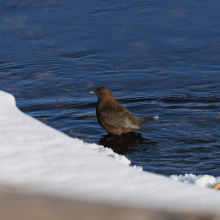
117 119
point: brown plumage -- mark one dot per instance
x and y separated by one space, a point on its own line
113 117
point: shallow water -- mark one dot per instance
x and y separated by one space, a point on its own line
157 57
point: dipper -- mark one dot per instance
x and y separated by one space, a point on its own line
115 118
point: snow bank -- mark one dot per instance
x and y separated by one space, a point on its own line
35 158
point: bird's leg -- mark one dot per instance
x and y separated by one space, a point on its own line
111 136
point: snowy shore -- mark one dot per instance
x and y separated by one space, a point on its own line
35 158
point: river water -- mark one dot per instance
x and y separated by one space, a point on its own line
157 57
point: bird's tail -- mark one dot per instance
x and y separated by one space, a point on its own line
152 118
147 119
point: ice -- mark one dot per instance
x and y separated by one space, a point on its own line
35 158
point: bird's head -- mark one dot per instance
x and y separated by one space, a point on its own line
103 93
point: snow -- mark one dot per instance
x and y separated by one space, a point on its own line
109 152
200 180
35 158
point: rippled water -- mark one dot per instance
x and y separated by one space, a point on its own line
158 57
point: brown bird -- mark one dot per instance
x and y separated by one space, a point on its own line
113 117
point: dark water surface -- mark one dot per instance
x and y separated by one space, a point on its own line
158 57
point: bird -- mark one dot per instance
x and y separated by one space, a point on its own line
115 118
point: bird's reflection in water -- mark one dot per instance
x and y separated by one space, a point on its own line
125 143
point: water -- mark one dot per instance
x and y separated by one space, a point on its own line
158 57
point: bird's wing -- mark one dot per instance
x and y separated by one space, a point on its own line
116 119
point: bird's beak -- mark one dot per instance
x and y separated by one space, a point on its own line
92 92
